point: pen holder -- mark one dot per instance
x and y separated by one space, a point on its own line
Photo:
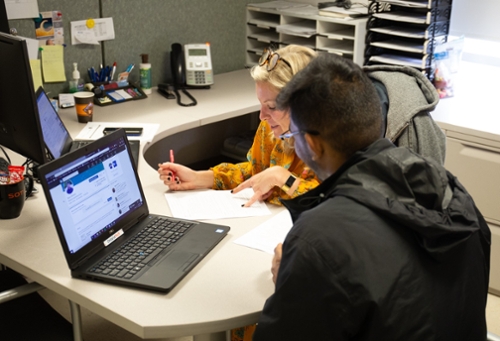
108 93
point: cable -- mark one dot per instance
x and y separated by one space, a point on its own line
193 100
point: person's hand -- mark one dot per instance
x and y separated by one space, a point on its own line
180 178
278 250
263 183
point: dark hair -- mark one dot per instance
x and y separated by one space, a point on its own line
333 96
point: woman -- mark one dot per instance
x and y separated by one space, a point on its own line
273 170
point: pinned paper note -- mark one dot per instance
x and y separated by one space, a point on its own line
92 31
21 9
53 64
36 71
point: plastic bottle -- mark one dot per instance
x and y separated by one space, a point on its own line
76 84
145 71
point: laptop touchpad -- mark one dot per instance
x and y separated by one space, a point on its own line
178 260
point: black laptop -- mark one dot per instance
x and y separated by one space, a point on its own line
57 139
104 225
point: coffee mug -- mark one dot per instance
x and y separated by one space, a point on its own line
12 197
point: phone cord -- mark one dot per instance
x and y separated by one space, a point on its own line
193 100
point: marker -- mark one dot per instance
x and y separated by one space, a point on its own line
172 161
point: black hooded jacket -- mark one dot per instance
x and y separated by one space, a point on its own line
390 247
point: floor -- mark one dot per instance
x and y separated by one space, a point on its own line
97 329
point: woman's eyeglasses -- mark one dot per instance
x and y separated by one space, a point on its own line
271 59
290 134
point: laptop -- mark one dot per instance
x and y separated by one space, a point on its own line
57 139
99 209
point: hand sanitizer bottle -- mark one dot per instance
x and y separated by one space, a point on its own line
76 84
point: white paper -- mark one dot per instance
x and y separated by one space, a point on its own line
408 32
276 5
81 34
66 100
267 235
32 46
22 9
417 18
213 204
308 10
94 130
306 29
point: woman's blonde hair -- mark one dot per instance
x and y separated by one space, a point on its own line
298 57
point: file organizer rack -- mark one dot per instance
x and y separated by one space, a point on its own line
403 32
280 27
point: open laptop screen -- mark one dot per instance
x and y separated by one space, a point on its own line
94 192
55 134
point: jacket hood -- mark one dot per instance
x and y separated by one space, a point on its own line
409 93
412 192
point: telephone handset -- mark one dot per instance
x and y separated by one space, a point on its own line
178 67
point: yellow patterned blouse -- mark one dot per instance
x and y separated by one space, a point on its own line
267 151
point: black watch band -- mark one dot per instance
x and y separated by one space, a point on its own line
289 183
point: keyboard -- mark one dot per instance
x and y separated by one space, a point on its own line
79 144
128 260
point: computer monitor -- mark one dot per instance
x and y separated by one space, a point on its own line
4 23
20 129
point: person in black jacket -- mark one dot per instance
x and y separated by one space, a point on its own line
390 246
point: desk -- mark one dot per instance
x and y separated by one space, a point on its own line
471 121
226 290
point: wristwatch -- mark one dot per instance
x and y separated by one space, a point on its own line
288 184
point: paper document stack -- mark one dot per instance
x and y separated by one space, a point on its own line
340 12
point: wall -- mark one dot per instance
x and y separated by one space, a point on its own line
149 26
476 19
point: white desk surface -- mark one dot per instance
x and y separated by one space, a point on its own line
226 290
475 108
229 287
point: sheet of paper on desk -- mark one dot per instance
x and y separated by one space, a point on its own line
213 204
267 235
94 130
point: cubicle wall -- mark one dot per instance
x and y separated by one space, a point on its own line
149 26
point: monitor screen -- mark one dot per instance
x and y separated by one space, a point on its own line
19 127
55 134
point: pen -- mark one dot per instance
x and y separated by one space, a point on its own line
172 161
113 71
130 67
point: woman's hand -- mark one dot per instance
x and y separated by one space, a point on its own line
278 251
180 178
263 183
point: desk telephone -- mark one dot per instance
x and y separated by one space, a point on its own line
191 69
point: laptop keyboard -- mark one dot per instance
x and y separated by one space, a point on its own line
80 144
133 256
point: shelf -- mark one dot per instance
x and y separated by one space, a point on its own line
301 25
406 32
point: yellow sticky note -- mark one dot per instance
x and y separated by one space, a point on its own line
36 71
53 63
